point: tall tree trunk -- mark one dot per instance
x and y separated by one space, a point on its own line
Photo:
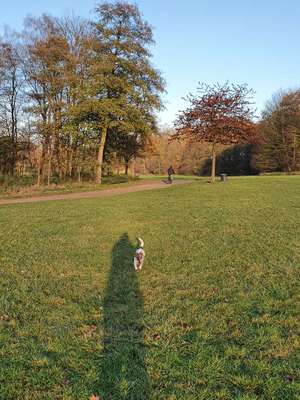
41 159
13 117
60 153
213 163
70 162
133 168
79 173
126 168
294 153
286 151
100 155
49 175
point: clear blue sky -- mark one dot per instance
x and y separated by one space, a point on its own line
251 41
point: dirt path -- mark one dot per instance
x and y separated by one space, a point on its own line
93 194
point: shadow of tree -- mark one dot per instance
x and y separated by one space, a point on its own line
235 160
123 375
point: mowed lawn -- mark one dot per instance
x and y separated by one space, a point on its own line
213 315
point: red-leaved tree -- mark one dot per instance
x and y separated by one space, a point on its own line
218 114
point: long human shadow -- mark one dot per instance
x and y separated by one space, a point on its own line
124 375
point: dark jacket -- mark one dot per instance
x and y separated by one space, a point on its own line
171 171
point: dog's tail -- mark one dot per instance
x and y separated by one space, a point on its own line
141 242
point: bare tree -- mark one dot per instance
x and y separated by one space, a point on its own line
11 81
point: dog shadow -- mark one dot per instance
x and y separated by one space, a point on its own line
124 374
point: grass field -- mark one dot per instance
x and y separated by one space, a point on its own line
213 315
176 177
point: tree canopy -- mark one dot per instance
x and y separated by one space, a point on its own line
217 114
279 148
82 82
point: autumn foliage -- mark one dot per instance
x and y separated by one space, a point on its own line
80 91
218 114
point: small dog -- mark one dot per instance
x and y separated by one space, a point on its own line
139 256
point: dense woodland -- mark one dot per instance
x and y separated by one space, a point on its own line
77 94
79 99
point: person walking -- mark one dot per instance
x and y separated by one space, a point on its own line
170 173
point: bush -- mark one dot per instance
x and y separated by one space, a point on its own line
115 179
15 182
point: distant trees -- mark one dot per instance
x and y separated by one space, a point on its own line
160 152
279 149
82 82
11 81
218 114
233 160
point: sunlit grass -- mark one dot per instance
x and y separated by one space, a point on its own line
213 315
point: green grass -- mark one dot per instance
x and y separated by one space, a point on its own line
280 173
176 177
213 315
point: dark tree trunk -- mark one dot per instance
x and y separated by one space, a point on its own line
40 177
79 173
99 163
49 175
126 168
213 163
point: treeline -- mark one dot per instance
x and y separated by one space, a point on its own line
276 149
77 95
279 147
185 158
195 159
